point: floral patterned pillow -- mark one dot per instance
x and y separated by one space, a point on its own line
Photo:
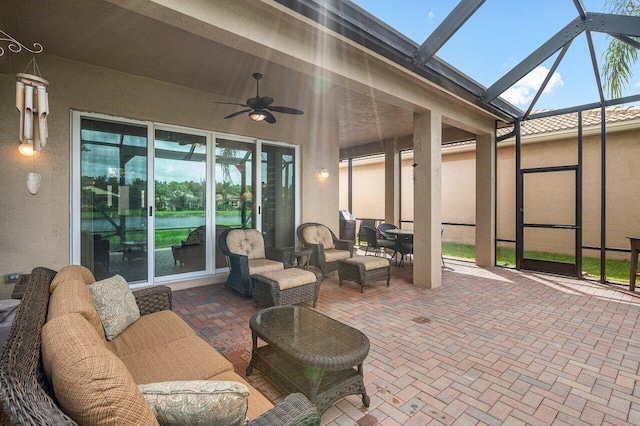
197 402
115 303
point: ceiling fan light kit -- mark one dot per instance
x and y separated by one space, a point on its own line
259 107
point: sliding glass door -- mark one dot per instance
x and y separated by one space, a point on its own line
150 200
278 195
180 176
113 199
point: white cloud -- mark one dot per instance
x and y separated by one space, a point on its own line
431 15
524 90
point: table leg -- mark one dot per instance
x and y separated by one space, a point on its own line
254 337
314 377
365 398
634 267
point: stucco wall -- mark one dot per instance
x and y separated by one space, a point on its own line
34 230
548 198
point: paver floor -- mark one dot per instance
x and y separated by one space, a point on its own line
490 346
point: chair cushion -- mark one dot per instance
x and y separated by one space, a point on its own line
73 296
247 242
258 403
335 255
197 402
151 330
259 266
318 234
91 384
290 278
189 358
369 262
115 304
72 272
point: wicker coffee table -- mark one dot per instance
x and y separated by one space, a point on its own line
310 353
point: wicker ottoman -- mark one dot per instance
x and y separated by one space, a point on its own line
364 270
286 287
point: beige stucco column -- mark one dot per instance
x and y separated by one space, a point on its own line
427 195
391 181
485 200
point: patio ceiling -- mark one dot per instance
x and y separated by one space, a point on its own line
100 33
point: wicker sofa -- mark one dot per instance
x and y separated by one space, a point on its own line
94 381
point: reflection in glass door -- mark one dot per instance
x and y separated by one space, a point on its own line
113 222
278 195
180 234
235 183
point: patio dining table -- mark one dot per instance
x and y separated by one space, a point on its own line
401 236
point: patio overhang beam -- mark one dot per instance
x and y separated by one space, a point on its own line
620 25
447 28
357 25
594 62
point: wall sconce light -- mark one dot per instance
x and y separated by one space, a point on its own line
324 173
257 115
26 149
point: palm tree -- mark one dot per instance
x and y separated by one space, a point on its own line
620 57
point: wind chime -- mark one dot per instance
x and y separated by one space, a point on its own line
32 100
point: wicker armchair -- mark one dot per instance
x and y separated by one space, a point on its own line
26 398
327 248
248 253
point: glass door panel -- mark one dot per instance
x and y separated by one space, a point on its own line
235 183
180 170
113 224
278 195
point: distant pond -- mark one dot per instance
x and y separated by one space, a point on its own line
134 223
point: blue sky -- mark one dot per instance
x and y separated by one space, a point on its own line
500 35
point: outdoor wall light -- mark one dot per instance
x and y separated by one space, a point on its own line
257 115
324 173
26 149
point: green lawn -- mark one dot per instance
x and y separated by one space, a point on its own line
617 270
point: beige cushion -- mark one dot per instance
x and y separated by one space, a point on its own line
247 242
259 266
115 303
71 272
189 358
289 278
335 255
197 402
151 330
318 234
369 262
91 384
73 296
258 403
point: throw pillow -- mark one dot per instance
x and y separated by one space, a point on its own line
197 402
115 303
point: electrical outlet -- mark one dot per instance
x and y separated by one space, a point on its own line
11 278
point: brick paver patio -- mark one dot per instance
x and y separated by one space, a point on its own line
491 346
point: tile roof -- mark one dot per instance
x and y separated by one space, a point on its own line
570 121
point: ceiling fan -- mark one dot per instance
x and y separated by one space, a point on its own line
259 108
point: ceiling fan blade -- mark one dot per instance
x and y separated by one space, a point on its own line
269 117
265 101
230 103
285 110
237 113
